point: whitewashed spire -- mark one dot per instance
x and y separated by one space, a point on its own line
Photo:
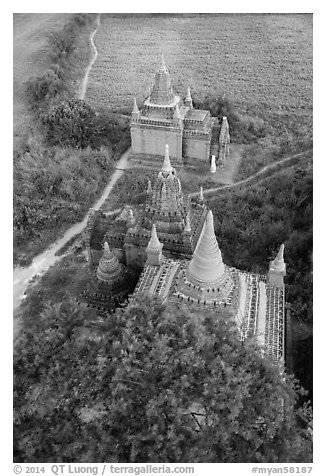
207 264
135 109
167 167
154 242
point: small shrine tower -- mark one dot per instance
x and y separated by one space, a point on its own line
277 269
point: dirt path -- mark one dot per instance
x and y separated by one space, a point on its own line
43 261
84 83
252 178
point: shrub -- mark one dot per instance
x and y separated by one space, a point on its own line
71 123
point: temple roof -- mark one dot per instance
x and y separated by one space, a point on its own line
196 115
162 93
207 264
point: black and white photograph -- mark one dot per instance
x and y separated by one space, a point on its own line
162 186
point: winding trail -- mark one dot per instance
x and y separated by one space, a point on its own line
41 263
252 178
84 83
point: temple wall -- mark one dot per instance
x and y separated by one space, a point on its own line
194 148
152 141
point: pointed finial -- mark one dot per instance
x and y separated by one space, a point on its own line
207 263
135 109
201 194
167 167
189 98
162 62
154 242
107 250
280 254
210 222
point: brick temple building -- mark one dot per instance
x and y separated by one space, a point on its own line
173 245
167 119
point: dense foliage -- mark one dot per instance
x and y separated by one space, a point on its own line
74 123
155 383
252 222
54 187
242 130
250 225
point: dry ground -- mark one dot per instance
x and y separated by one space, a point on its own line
29 58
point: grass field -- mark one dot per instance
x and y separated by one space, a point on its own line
262 62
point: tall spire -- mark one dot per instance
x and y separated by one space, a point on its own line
167 167
188 100
163 66
207 265
154 242
154 249
135 109
162 92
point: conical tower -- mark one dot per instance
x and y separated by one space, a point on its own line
162 93
277 269
154 249
207 265
206 280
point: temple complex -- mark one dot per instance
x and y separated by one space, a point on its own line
167 119
172 244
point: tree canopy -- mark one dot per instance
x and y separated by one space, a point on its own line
151 383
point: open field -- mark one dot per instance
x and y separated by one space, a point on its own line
263 63
30 57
